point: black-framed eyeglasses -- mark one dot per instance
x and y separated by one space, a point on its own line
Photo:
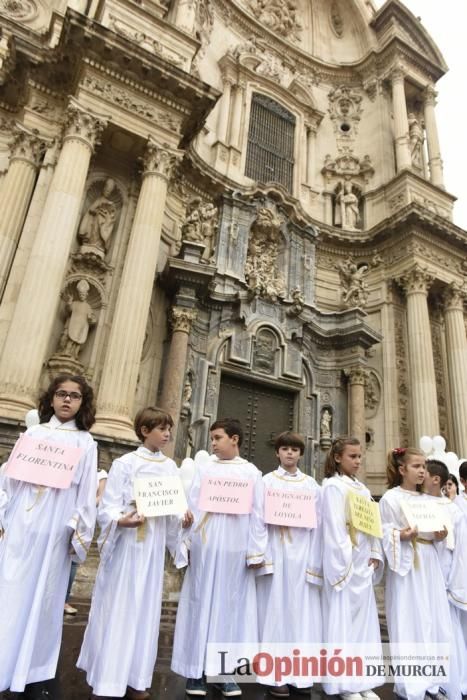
73 395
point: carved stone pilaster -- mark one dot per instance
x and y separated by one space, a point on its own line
417 280
82 125
181 319
160 159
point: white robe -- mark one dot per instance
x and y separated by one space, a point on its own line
120 643
34 558
350 614
289 605
218 597
417 609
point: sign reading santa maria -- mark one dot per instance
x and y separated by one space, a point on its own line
226 495
423 514
43 462
290 508
159 495
364 515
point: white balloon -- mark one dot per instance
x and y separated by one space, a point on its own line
426 444
32 418
451 460
439 443
439 455
201 457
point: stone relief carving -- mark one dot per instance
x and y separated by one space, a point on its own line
279 16
416 142
400 343
262 274
335 16
21 10
437 343
354 287
264 352
346 209
202 219
144 40
298 303
345 109
80 318
79 122
99 220
372 394
347 165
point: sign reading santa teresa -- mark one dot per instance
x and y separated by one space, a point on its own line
43 463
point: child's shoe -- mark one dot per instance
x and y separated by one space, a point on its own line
279 691
196 686
369 695
228 690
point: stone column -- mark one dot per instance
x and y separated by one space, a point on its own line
401 123
224 111
310 153
26 344
237 113
20 261
174 374
123 356
434 154
17 187
456 351
357 424
425 421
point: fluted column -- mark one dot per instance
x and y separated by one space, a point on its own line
174 375
425 419
224 111
23 251
29 333
237 113
17 187
357 424
401 123
434 153
123 356
456 351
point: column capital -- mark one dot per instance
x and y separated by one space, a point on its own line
160 159
417 280
83 125
27 145
454 297
181 319
356 375
430 95
397 72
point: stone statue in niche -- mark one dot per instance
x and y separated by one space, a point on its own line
262 274
98 223
325 425
354 287
264 353
200 225
80 319
347 213
416 141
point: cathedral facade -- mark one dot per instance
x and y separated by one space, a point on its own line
230 207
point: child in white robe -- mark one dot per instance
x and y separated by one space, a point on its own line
352 565
417 609
289 601
120 643
453 559
218 597
461 499
43 529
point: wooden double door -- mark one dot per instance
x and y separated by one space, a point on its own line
264 413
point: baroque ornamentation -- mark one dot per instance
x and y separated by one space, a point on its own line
335 16
400 343
99 220
354 287
416 139
80 318
160 159
454 297
356 375
440 379
325 425
372 394
22 10
262 274
345 109
181 319
264 352
416 280
200 225
347 207
83 124
27 145
347 165
278 16
144 40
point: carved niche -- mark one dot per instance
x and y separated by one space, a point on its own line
262 273
264 353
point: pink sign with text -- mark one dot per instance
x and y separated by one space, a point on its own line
43 463
226 495
289 508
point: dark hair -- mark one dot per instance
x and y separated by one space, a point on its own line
331 466
436 468
289 439
231 426
86 415
453 478
463 471
398 457
151 417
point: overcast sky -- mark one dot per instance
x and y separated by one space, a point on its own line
446 22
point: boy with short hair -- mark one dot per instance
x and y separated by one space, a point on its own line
453 559
294 558
218 597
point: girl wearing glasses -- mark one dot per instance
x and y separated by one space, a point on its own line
42 529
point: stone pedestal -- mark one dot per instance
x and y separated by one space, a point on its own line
120 375
456 351
26 344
